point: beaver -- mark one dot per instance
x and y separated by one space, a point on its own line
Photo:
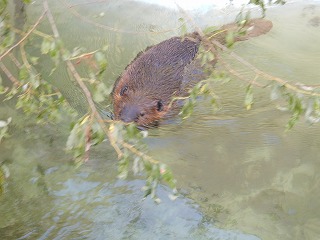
143 93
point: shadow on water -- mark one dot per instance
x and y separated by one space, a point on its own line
236 170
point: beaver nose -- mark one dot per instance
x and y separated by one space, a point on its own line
130 114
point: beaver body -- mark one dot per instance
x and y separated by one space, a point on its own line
145 89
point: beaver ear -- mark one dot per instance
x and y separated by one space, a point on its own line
123 90
159 106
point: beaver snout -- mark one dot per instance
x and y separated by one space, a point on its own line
131 114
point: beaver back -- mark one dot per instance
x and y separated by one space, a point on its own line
152 78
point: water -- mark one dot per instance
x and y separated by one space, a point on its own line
241 176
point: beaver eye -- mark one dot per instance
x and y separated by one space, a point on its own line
142 114
123 90
159 106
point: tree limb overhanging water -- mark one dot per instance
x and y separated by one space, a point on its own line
88 130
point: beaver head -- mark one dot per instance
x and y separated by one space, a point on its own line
139 105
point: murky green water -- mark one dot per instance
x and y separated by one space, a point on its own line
241 175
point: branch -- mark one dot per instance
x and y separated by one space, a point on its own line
263 74
24 57
238 75
84 55
257 71
35 31
15 60
9 75
88 96
25 36
77 76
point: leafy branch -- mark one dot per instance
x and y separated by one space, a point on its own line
262 5
38 97
300 99
155 171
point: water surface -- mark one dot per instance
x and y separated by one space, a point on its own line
241 176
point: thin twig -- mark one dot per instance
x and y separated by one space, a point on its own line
35 31
238 75
263 74
244 62
24 37
88 139
24 57
15 60
83 55
9 75
138 153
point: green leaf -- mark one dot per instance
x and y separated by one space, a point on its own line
296 107
76 51
23 73
147 166
167 176
204 59
249 97
132 131
282 2
210 56
45 46
147 191
123 167
2 88
229 39
187 109
4 128
34 60
72 139
101 59
210 29
293 120
105 48
136 167
53 49
259 3
183 27
101 91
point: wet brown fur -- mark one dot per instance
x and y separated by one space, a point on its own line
143 92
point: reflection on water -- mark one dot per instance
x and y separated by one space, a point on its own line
237 170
